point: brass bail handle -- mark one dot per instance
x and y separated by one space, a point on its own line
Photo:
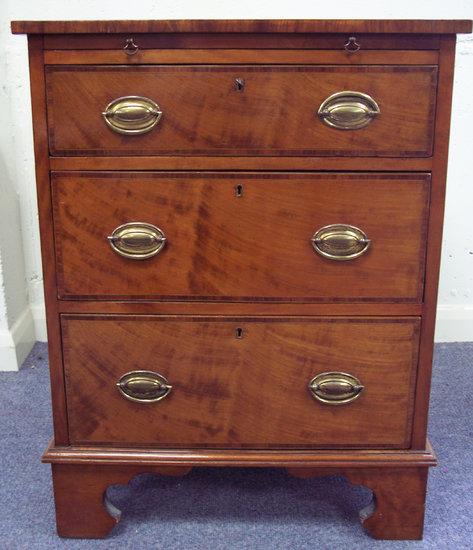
335 388
340 242
132 115
130 48
352 45
348 110
142 386
137 240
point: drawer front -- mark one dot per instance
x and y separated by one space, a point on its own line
242 236
240 382
241 110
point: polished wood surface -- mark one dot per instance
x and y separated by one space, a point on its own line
203 114
225 56
254 247
397 508
160 307
240 392
84 511
38 106
437 26
82 508
434 244
241 40
261 458
241 262
194 162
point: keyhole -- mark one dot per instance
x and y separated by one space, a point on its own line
239 84
239 190
239 333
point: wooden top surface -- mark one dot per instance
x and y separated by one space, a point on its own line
255 26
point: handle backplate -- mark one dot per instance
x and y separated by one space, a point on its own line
335 388
137 240
340 242
132 115
348 110
144 386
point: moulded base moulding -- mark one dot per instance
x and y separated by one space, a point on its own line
81 476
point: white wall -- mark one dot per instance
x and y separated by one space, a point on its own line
17 332
455 310
455 321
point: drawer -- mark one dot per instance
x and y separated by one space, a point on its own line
244 236
240 382
242 110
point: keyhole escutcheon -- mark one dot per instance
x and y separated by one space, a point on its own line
238 333
239 84
239 190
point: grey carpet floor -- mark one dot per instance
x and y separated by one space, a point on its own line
234 508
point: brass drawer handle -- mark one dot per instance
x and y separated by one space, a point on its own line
348 110
137 240
130 48
352 45
340 242
335 388
143 386
132 115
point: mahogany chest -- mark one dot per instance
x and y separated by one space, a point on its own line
241 226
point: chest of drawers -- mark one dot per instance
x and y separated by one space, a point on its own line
241 226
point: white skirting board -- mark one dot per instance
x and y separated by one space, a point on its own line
16 342
39 318
454 324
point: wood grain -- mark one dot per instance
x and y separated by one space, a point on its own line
256 247
174 162
82 509
241 40
236 393
261 458
40 134
434 243
425 26
203 114
154 307
225 56
397 509
241 262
